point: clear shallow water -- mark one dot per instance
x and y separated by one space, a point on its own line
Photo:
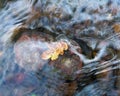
27 23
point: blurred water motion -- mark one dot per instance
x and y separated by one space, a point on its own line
90 66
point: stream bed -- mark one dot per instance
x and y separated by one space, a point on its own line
60 48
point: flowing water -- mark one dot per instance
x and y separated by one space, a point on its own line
90 66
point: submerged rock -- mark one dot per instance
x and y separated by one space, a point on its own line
91 56
98 89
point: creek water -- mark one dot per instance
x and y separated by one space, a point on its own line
90 66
